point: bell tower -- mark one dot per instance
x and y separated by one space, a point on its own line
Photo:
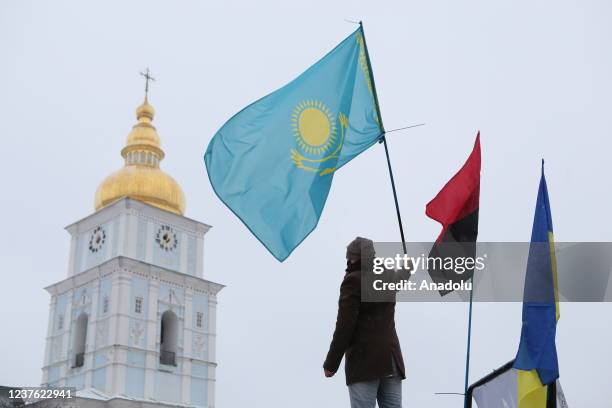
135 318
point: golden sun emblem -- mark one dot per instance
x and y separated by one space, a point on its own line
313 126
314 129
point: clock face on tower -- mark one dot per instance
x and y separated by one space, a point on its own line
166 238
97 239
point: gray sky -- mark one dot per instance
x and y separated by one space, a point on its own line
534 77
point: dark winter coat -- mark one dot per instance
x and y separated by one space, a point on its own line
365 334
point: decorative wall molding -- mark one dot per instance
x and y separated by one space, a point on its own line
199 346
56 349
137 331
101 333
129 266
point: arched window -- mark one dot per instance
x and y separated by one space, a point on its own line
168 338
80 339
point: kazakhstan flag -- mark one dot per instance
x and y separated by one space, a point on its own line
536 361
273 162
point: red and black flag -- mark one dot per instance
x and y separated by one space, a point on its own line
456 208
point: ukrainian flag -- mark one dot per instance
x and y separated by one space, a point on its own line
536 360
273 162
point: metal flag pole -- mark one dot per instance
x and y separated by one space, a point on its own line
383 139
399 215
467 356
468 403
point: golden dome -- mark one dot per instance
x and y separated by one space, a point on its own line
141 178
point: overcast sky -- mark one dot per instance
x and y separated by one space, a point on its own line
534 77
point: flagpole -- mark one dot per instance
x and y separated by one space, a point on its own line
467 356
383 139
397 210
466 403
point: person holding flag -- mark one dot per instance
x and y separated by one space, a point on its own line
365 335
273 163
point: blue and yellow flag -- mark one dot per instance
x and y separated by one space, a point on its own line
273 162
536 360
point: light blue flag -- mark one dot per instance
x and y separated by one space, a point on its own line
273 162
